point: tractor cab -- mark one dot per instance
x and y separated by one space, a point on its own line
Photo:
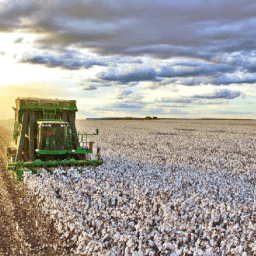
52 135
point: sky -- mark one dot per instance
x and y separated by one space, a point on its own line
118 58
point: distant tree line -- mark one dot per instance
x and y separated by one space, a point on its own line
149 117
128 118
146 118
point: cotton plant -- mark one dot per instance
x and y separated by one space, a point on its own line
162 190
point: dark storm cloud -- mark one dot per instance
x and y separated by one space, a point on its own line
252 68
158 28
12 13
215 42
220 94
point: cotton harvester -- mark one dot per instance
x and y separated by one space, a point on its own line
45 136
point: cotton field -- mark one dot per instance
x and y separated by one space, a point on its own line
165 188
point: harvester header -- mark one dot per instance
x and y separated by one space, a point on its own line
45 135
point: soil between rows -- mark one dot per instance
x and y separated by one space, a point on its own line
24 229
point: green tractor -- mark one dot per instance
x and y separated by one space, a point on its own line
45 136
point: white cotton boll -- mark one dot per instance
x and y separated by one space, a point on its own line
151 243
209 251
178 252
199 252
139 253
72 227
59 228
167 245
126 252
74 238
213 243
205 190
116 236
66 234
239 249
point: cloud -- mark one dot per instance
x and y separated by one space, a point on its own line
91 84
166 51
206 102
66 61
140 72
18 40
245 60
161 29
227 79
202 73
125 101
123 108
220 94
217 97
122 95
194 70
129 97
89 88
160 43
128 74
237 113
237 77
125 60
127 92
178 112
174 100
129 106
188 72
195 81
